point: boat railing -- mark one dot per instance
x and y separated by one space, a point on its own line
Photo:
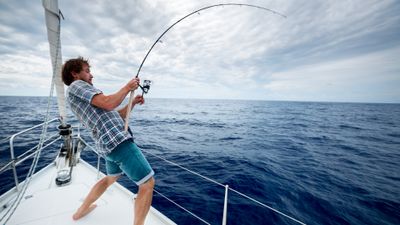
225 186
17 160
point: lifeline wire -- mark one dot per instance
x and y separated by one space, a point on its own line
218 183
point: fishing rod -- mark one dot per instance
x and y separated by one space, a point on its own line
146 86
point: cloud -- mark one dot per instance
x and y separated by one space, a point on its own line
25 74
373 76
224 52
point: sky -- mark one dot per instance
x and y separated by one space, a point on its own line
324 50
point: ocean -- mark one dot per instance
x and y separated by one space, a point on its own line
322 163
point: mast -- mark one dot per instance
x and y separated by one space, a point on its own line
67 157
53 17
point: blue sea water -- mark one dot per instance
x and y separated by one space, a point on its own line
322 163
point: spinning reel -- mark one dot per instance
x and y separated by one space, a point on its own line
146 86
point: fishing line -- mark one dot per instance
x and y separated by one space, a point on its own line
194 12
178 21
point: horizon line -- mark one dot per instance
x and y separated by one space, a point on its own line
232 99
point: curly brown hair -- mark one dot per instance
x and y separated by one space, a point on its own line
72 65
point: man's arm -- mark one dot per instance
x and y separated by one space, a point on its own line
122 112
138 100
110 102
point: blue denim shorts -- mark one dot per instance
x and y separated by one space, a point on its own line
127 158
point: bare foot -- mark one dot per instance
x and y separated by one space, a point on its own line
83 212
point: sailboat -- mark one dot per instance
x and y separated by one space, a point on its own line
52 194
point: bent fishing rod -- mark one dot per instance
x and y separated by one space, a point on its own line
146 86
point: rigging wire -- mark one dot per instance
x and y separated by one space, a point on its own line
11 210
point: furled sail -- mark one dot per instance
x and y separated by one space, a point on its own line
53 17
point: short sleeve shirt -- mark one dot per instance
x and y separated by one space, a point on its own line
107 127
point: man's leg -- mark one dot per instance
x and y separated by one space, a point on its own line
97 190
143 201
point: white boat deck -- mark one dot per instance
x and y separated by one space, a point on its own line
46 203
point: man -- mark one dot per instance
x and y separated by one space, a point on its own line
97 112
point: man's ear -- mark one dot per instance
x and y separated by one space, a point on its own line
75 75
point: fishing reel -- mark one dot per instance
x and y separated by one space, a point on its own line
146 86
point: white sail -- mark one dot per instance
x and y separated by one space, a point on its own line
52 14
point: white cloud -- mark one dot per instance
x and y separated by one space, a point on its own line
360 78
225 52
25 74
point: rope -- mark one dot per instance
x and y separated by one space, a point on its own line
190 171
211 180
266 206
32 169
215 182
182 207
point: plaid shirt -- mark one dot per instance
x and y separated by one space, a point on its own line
107 127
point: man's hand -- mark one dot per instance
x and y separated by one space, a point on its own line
138 100
133 84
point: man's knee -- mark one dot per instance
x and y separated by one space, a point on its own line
149 184
108 180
